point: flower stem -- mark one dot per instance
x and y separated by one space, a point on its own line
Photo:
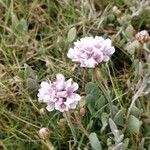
81 126
98 77
49 145
67 116
84 78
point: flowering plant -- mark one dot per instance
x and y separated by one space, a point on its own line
90 51
59 94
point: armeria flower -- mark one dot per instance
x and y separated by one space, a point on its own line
142 36
90 51
60 94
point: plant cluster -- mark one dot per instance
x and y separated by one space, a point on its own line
74 74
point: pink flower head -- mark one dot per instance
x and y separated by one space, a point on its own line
60 94
90 51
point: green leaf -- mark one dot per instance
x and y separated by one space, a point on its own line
147 129
22 27
114 128
101 101
72 34
129 31
119 117
92 88
134 124
91 99
88 87
82 102
126 143
29 72
118 146
94 97
94 141
14 20
131 47
31 83
114 109
104 120
135 111
91 103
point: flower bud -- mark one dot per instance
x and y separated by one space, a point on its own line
62 122
42 111
76 113
109 142
44 133
116 11
82 112
142 36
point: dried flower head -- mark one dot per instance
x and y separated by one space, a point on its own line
60 94
44 133
142 36
90 51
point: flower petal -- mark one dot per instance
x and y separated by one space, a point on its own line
50 106
60 77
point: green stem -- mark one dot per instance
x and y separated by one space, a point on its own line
103 88
113 85
84 78
80 126
49 145
67 116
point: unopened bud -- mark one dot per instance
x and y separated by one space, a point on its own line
109 142
44 133
116 11
62 122
82 112
42 111
76 113
142 36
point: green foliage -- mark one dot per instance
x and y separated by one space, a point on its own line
94 141
72 34
134 124
34 39
119 118
95 98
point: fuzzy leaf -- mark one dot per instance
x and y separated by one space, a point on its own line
100 102
22 27
126 143
114 109
90 87
104 120
129 31
147 129
31 83
120 138
82 102
135 111
118 146
114 129
134 124
91 102
72 34
29 72
119 117
132 46
94 141
93 89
